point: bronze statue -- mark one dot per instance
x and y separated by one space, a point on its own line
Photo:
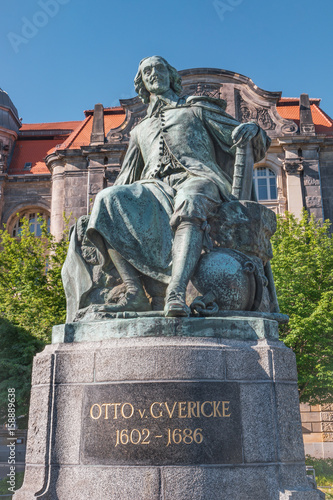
179 170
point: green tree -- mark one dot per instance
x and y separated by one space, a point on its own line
17 350
303 272
31 291
32 300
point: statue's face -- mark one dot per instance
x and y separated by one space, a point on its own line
155 75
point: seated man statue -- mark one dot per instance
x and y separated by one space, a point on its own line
154 222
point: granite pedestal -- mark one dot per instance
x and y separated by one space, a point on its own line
206 409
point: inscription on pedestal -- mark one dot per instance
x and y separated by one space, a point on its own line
162 424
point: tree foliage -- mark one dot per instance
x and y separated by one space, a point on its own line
31 291
17 349
303 272
32 300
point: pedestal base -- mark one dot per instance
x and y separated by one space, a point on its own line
166 418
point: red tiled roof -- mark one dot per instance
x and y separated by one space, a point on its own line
50 126
35 150
288 107
81 136
323 123
32 151
113 121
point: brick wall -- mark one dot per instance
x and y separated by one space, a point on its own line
317 426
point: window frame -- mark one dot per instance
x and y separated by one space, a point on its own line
27 213
268 176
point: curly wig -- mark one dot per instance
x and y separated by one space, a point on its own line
175 81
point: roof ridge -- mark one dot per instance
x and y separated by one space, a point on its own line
324 114
108 108
318 99
49 123
70 139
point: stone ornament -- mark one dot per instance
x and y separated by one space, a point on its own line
293 167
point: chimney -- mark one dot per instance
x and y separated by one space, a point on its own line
97 134
305 116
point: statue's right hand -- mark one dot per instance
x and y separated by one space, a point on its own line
243 134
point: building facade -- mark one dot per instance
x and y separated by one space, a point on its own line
56 169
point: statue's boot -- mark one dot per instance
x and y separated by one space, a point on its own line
186 252
135 298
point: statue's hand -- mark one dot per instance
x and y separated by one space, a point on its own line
244 133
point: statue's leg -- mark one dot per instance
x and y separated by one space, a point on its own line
196 201
187 247
156 290
135 298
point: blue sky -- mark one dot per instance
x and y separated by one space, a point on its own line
60 57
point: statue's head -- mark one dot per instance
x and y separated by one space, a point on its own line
156 76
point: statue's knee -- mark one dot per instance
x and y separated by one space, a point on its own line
108 194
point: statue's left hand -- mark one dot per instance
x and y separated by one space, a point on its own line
244 133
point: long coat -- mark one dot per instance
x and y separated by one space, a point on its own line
133 216
198 134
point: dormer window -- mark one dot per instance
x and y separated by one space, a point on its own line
27 165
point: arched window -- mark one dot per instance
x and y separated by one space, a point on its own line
34 223
265 183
